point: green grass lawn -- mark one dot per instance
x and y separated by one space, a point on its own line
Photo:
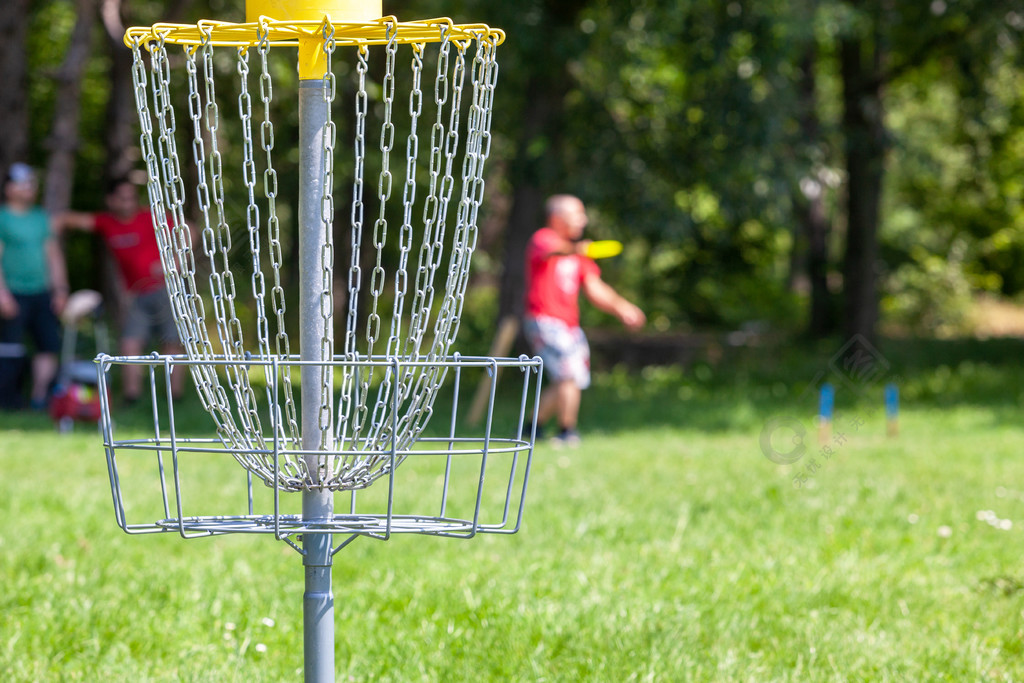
667 548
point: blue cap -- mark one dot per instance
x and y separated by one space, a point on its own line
21 173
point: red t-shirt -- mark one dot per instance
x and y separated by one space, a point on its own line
553 282
135 249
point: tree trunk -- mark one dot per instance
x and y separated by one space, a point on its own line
810 205
816 227
537 167
121 133
63 141
14 76
527 200
864 133
120 137
120 141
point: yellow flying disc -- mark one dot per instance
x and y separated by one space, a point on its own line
604 249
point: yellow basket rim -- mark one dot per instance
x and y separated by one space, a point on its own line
289 33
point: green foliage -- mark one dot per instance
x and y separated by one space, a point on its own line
957 171
930 295
685 102
682 129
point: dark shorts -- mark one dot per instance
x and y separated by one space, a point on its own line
150 317
36 317
562 347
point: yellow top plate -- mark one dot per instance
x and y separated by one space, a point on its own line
348 11
292 32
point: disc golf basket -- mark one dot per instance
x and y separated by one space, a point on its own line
371 424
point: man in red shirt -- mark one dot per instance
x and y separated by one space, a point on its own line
127 230
556 270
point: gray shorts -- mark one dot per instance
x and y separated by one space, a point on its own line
150 317
562 347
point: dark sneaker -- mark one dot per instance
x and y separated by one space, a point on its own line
528 430
567 438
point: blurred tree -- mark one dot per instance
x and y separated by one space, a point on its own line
14 104
539 162
809 205
885 45
120 122
685 132
64 129
861 58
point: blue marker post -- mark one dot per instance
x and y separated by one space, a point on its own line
892 409
826 404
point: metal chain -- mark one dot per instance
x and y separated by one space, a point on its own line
153 169
429 381
385 181
421 408
405 241
478 124
327 252
282 344
202 346
259 286
451 146
205 377
348 414
182 300
232 336
216 241
172 214
432 247
184 252
483 77
433 231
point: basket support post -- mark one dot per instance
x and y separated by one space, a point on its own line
315 344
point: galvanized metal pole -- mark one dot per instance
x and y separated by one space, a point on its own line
315 328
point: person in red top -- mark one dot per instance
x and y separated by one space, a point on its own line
127 230
556 270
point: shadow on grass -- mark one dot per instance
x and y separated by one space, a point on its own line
738 390
747 385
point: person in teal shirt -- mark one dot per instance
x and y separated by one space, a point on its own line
33 278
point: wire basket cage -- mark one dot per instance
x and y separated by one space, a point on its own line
325 416
459 480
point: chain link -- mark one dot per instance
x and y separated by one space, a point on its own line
282 344
464 240
405 242
169 217
348 413
214 240
433 229
380 229
327 252
402 381
478 131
